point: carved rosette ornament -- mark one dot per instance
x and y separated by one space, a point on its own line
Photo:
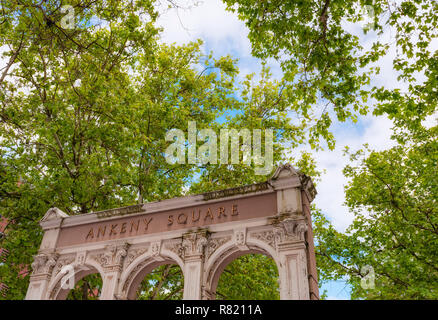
290 230
43 264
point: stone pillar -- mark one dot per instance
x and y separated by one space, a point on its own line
112 263
294 237
193 245
40 278
291 248
46 258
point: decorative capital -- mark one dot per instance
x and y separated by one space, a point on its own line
290 230
43 263
194 243
113 256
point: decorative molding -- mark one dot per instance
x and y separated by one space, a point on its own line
194 243
285 171
236 191
112 258
61 262
240 237
176 247
80 258
308 187
134 253
119 211
214 244
54 213
266 236
43 264
155 248
290 230
132 274
206 294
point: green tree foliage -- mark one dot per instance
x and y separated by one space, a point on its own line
325 65
84 113
249 277
163 283
392 193
88 288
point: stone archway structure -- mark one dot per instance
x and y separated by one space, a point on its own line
200 233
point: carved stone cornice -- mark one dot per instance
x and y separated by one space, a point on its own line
52 219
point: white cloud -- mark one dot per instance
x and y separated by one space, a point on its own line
330 198
221 30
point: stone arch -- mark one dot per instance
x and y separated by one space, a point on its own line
137 270
228 252
271 217
55 291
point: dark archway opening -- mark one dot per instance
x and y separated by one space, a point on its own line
249 277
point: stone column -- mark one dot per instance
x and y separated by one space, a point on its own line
46 258
112 263
193 245
291 248
40 278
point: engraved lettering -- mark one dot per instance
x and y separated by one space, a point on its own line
136 225
221 212
146 222
208 214
123 228
90 234
101 230
113 229
184 220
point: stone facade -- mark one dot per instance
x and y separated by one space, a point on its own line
201 233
